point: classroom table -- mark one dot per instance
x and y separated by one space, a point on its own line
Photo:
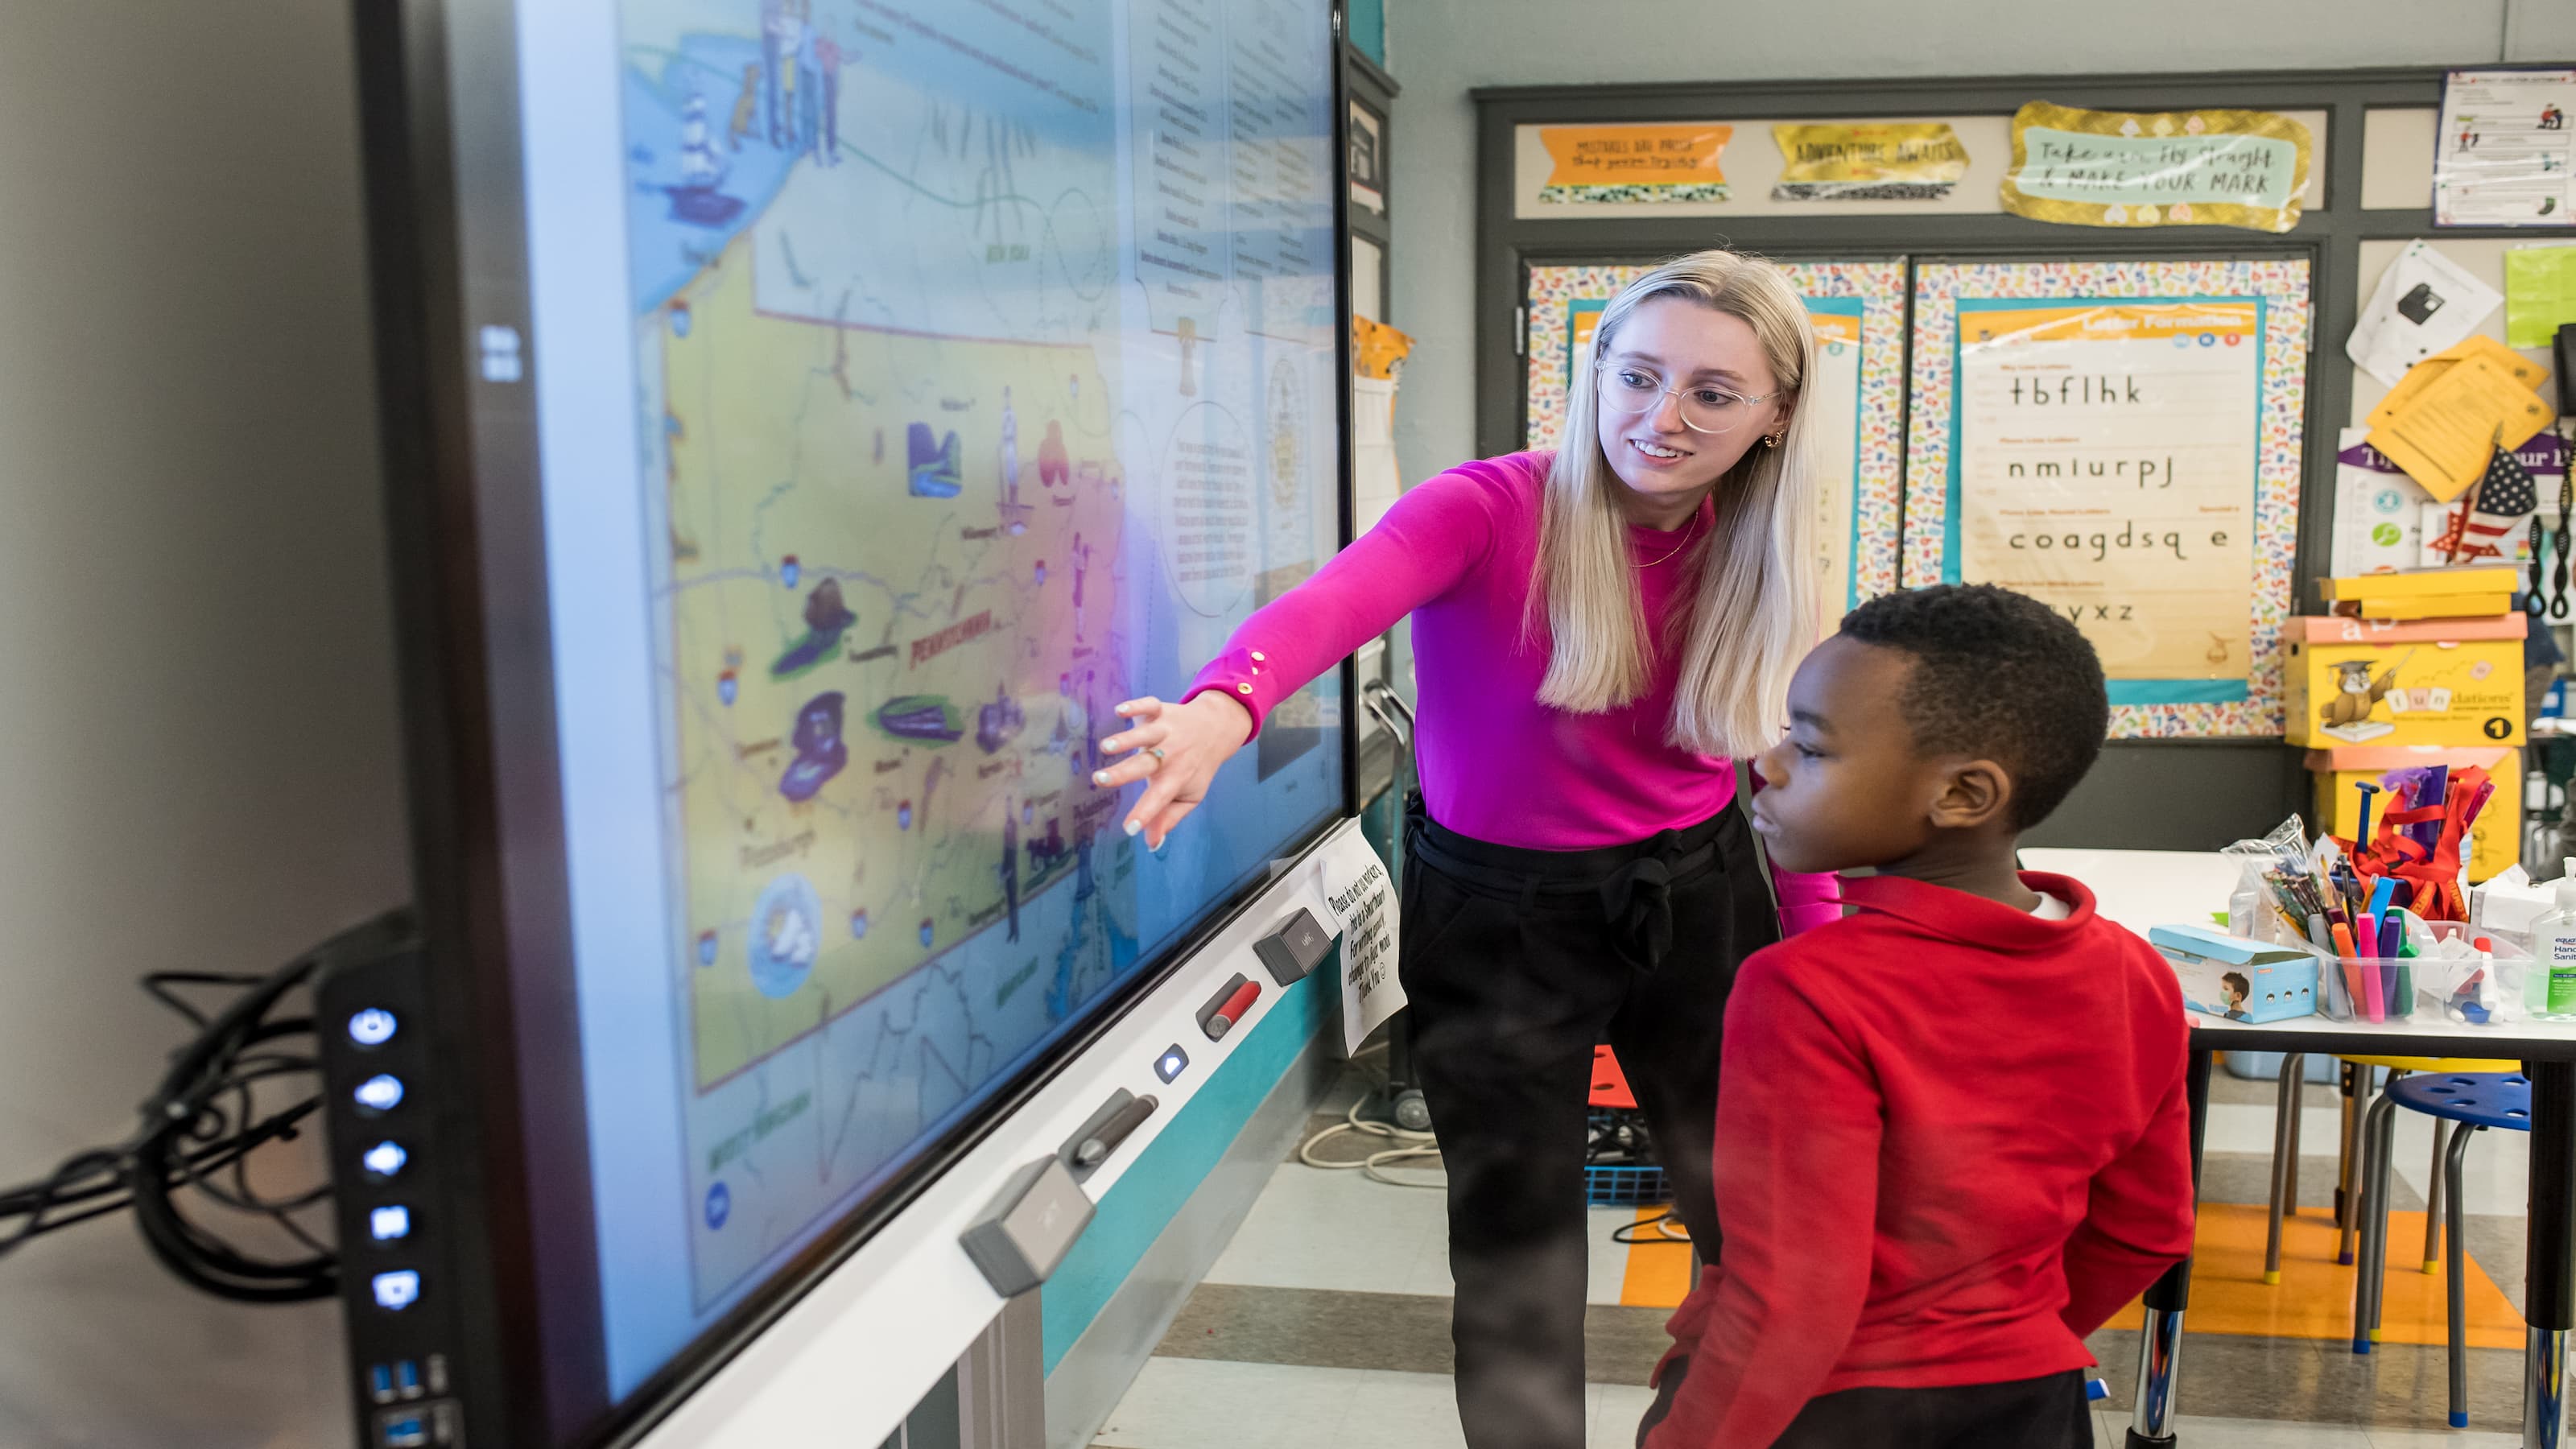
2142 889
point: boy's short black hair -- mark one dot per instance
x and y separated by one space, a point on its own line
2000 676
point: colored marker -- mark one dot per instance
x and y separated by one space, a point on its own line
2437 789
2347 958
2400 991
2477 803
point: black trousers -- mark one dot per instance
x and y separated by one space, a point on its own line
2041 1413
1515 963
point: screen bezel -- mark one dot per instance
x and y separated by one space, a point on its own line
440 110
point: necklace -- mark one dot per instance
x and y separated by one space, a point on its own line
1690 535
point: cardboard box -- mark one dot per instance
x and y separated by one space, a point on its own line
2495 841
2452 683
2416 583
2431 606
2240 980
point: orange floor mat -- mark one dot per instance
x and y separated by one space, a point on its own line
2228 1295
1659 1273
2314 1297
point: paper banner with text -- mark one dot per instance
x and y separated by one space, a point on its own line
2106 465
1637 165
2177 168
1855 398
1893 161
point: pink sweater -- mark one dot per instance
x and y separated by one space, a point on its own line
1456 553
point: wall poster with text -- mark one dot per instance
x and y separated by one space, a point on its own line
2122 441
1858 311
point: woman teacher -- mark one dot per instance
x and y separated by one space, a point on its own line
1599 634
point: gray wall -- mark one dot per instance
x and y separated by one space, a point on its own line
1440 49
198 760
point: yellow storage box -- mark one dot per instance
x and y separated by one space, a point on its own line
2451 683
2431 606
2418 583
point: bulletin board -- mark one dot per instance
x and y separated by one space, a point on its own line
2367 192
1858 309
2121 439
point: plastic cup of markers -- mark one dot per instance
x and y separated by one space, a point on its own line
2369 989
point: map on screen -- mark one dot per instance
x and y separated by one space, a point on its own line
986 377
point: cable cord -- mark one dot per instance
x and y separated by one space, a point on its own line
1413 1146
196 1137
1649 1232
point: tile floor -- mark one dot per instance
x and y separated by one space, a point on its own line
1307 1333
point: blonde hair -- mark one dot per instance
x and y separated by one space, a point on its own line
1756 609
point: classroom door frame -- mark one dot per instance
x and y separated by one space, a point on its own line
2247 784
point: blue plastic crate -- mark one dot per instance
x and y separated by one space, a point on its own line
1625 1186
1633 1183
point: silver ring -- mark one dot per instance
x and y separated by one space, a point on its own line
1156 751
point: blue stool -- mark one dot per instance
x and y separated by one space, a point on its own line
2475 1101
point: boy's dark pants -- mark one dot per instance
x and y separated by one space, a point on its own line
1515 963
2041 1413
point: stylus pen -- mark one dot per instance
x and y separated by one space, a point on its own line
1095 1149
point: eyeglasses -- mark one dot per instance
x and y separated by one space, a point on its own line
1709 410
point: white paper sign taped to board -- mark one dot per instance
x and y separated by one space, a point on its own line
1361 896
2425 303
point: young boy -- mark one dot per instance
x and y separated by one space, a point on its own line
1953 1138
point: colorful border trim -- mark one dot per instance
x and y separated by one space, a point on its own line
1641 193
2283 288
1557 294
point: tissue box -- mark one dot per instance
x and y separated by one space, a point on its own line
2507 908
2229 976
2455 683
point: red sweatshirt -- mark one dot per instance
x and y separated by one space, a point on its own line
1952 1140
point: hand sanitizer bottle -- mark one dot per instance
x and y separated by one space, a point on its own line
2553 948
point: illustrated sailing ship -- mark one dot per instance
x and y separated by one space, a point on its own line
696 199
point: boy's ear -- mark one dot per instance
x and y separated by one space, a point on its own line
1971 794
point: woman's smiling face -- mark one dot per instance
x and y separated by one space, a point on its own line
1678 353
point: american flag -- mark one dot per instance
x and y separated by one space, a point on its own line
2482 525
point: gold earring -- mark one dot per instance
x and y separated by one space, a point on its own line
1772 441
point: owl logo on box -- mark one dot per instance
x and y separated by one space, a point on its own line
2347 716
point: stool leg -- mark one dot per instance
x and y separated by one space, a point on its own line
2357 1229
2285 1147
2347 1193
2457 1287
2298 1073
2377 1137
2383 1191
2433 1190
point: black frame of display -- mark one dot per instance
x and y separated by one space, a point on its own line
438 96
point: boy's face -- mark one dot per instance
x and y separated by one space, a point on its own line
1847 790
